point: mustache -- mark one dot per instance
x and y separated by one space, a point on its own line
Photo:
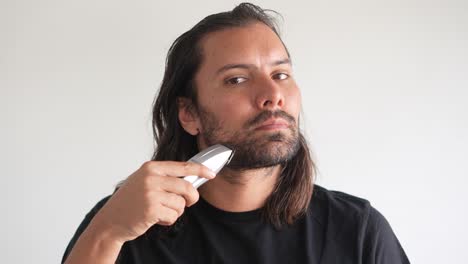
265 115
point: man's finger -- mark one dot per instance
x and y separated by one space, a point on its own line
179 169
181 187
174 201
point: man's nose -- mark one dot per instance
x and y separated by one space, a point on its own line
269 94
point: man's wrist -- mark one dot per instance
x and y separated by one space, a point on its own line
95 244
103 234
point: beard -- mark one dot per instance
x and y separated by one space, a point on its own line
253 149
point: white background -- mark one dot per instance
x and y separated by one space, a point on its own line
385 109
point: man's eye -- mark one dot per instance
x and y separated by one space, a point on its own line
235 80
281 76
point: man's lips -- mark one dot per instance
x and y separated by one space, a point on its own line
273 124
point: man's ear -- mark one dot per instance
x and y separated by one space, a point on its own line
188 116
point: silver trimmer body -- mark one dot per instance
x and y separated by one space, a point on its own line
214 157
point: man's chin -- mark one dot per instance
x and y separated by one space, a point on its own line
271 152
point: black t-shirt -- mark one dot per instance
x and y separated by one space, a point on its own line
338 228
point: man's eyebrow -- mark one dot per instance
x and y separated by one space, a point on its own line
247 66
283 61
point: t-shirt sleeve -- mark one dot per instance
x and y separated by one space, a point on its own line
381 245
84 224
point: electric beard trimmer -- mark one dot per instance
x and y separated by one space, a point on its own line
214 157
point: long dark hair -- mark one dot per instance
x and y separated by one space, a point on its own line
291 196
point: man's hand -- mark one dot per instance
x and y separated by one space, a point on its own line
154 194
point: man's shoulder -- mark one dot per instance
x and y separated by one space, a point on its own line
330 207
340 200
352 220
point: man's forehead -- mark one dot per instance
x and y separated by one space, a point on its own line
251 44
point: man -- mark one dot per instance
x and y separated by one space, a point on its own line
229 80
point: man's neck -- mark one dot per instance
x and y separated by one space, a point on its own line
240 191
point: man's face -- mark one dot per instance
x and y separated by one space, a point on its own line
247 97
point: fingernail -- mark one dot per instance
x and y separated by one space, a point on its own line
212 174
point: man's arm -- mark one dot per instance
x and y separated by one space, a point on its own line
154 194
86 238
94 246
